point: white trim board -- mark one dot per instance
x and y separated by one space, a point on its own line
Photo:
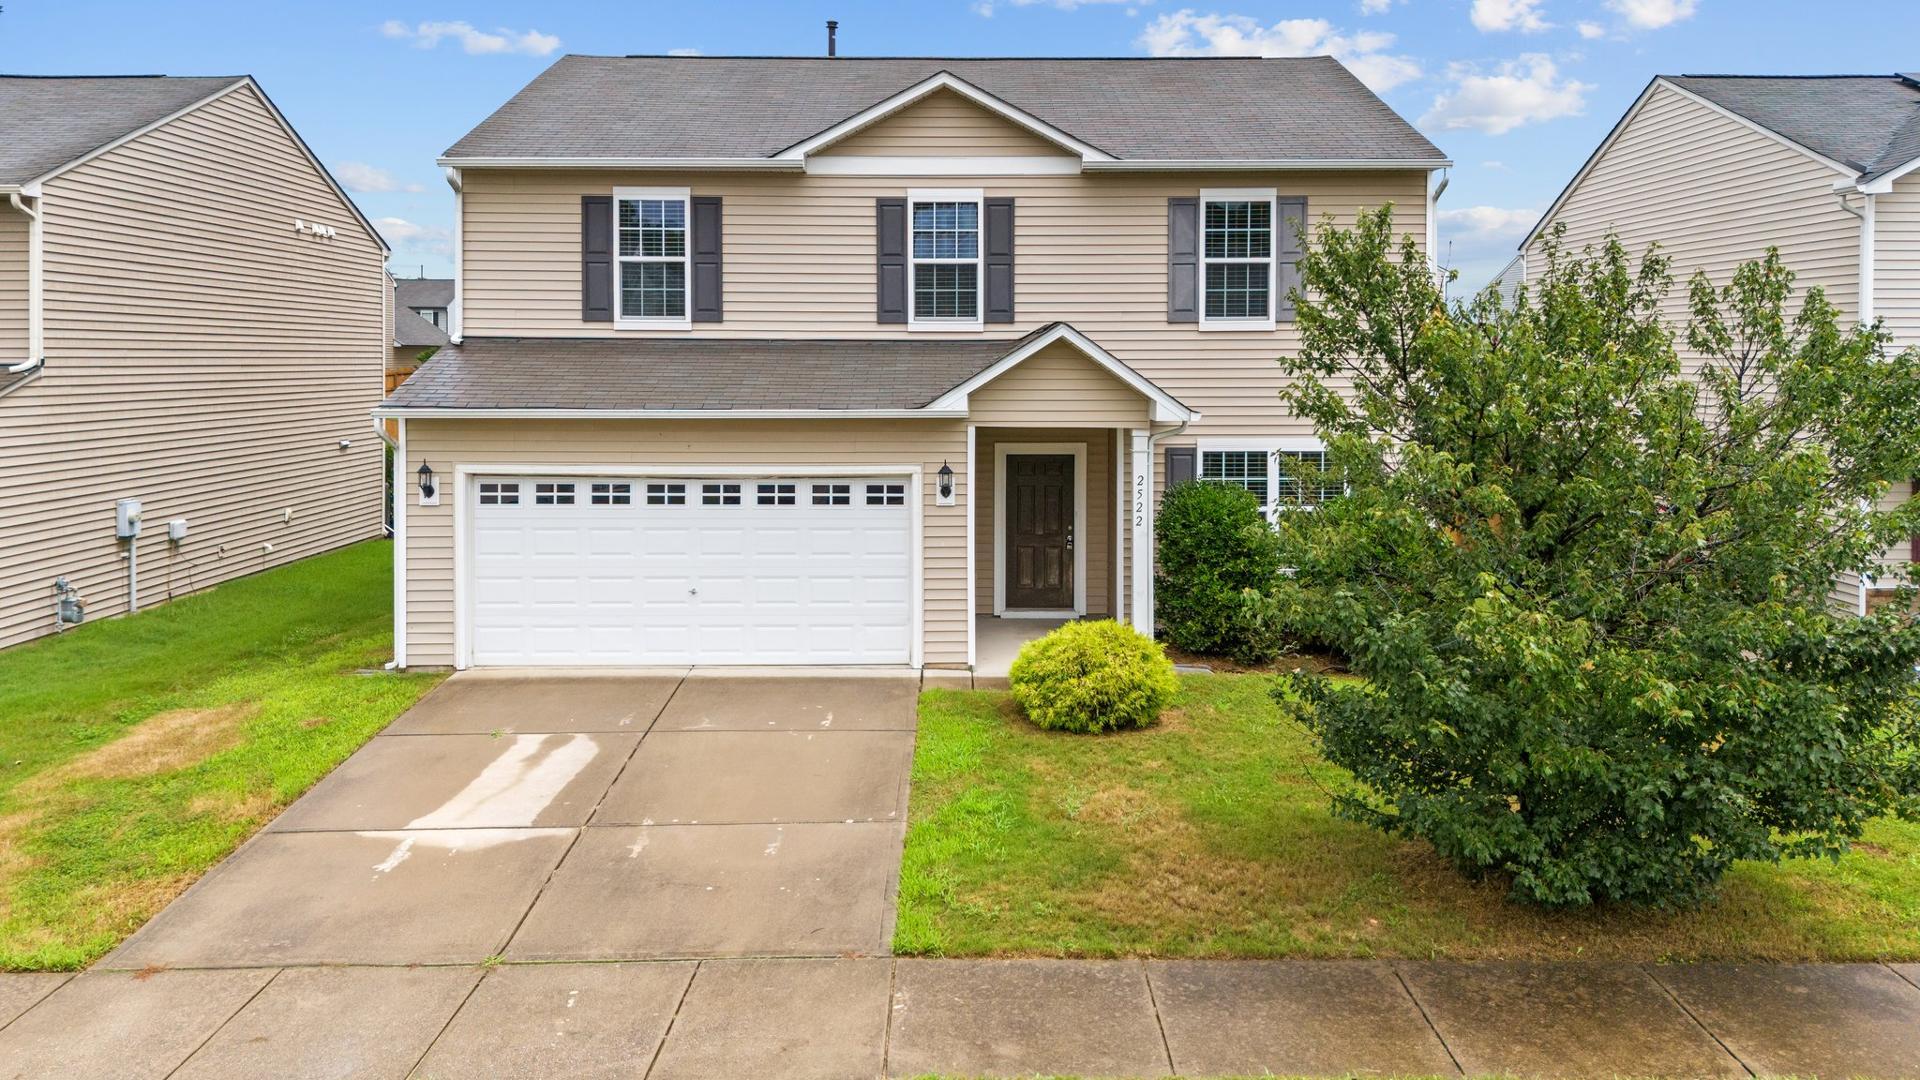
941 80
1077 451
877 165
464 475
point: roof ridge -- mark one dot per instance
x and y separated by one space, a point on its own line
15 75
1890 77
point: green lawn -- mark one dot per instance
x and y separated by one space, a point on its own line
137 752
1209 835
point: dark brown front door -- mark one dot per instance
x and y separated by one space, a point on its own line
1040 531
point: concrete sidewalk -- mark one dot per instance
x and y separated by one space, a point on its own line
872 1017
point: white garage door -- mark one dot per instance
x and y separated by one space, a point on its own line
726 570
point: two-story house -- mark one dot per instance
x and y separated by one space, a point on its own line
190 321
834 361
1717 168
422 312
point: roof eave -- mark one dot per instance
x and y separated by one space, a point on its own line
425 412
1265 164
678 164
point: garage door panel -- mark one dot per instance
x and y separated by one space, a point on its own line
721 577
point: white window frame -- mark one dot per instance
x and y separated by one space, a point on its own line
1270 196
623 321
1272 449
976 196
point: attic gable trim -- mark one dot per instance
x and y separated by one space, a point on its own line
941 80
1620 128
1166 407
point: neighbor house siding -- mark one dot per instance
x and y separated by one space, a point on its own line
202 357
1713 193
13 286
943 124
446 444
1896 292
799 256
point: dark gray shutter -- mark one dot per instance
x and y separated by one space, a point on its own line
890 236
999 252
1183 259
596 258
1183 465
706 258
1292 211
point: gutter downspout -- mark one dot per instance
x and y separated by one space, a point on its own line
1433 226
1144 602
399 446
1865 212
456 313
36 289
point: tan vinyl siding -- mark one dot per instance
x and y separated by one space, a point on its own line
799 255
943 124
202 357
1714 193
13 286
1896 292
447 444
1057 387
1098 541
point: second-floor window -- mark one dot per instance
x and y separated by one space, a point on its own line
1236 259
945 258
650 266
435 315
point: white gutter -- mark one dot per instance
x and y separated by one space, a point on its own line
456 323
1433 227
1865 212
36 288
799 165
1264 164
687 163
402 411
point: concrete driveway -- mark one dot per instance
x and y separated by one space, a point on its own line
578 817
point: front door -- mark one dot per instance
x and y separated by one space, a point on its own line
1040 532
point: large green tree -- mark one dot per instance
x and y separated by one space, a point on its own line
1589 582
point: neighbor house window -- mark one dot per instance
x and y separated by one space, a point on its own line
435 315
1287 474
651 259
945 249
1237 259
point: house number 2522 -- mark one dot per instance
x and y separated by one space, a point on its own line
1140 500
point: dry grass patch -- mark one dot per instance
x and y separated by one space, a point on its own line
161 743
1211 836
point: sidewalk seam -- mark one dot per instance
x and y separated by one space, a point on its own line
1153 1001
666 1033
37 1001
886 1031
1896 974
222 1025
414 1069
1648 969
1428 1020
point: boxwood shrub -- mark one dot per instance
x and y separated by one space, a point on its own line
1214 544
1093 677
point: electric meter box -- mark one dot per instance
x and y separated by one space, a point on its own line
126 518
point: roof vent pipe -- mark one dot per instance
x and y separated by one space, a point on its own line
833 28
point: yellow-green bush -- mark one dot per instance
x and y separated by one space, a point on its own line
1093 677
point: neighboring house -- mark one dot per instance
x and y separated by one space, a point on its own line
1717 168
420 321
190 316
781 361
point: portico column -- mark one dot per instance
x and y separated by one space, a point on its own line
1142 461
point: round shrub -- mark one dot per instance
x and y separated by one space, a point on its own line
1214 543
1093 677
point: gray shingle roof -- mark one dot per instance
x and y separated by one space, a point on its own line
425 292
1213 109
46 122
696 373
410 329
1869 123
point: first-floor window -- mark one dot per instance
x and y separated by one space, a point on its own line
1285 475
652 255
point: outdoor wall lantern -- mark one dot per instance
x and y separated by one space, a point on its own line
429 491
945 488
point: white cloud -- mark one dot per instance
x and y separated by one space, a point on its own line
1376 7
1477 228
426 35
985 8
1184 33
1653 14
1519 92
1496 166
362 178
404 235
1591 30
683 52
1494 16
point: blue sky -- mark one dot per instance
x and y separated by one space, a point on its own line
1517 92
